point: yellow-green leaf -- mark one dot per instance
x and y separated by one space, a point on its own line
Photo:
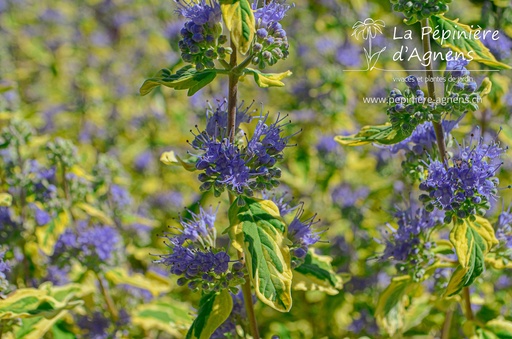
171 158
472 240
381 134
185 78
35 328
170 316
214 309
95 213
390 307
316 273
239 19
265 80
257 228
5 199
485 88
472 49
500 327
120 276
31 302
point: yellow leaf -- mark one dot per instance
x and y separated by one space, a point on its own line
95 213
5 199
239 19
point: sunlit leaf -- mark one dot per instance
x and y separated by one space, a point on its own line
239 19
257 229
214 309
473 49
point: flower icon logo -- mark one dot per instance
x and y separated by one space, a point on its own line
368 30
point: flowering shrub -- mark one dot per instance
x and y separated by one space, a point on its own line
230 198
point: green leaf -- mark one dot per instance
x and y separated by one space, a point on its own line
61 332
500 327
381 134
185 78
166 315
257 229
472 49
5 199
35 328
214 309
390 307
316 273
265 80
239 20
471 240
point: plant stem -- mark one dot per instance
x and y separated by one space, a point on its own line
108 299
232 96
466 297
445 332
232 103
438 128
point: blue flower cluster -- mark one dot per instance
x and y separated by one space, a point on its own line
97 325
504 229
239 168
93 247
457 67
194 257
202 39
4 267
407 243
300 231
271 43
464 187
302 235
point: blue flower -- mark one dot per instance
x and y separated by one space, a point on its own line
241 169
468 183
96 244
91 246
500 47
201 12
300 232
457 67
144 161
405 241
4 267
41 216
57 275
282 202
504 228
345 197
96 326
120 196
272 11
200 227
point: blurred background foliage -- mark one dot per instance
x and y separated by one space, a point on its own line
72 69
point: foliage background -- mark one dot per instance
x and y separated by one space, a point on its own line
73 69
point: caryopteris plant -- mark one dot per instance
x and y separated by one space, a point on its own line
454 180
268 243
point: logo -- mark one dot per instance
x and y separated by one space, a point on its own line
368 30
